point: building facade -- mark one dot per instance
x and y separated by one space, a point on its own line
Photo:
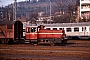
85 10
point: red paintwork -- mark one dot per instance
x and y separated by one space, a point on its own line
29 35
33 36
50 34
7 33
10 33
42 33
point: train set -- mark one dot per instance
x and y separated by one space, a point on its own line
12 32
15 32
72 30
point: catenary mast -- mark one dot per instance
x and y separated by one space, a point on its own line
14 10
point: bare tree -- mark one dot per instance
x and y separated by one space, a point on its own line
78 19
68 7
61 19
71 10
7 14
59 6
33 17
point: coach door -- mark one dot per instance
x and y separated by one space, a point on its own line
84 29
18 30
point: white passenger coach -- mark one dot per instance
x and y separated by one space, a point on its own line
72 30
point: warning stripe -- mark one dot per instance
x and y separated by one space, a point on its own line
44 33
50 33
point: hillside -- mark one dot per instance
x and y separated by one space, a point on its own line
42 6
29 9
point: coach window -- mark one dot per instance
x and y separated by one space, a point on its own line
60 28
76 29
23 30
47 28
68 29
54 28
33 29
83 28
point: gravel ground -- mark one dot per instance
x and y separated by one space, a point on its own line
73 50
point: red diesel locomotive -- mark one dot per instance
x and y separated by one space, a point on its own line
40 35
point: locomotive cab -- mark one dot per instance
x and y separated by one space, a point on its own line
40 35
31 34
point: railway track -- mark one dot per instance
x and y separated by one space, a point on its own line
73 50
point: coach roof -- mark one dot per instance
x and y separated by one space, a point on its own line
67 24
7 22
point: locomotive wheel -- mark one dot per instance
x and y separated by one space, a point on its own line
52 44
0 42
63 42
35 44
10 42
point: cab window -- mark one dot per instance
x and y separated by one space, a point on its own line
33 29
27 30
